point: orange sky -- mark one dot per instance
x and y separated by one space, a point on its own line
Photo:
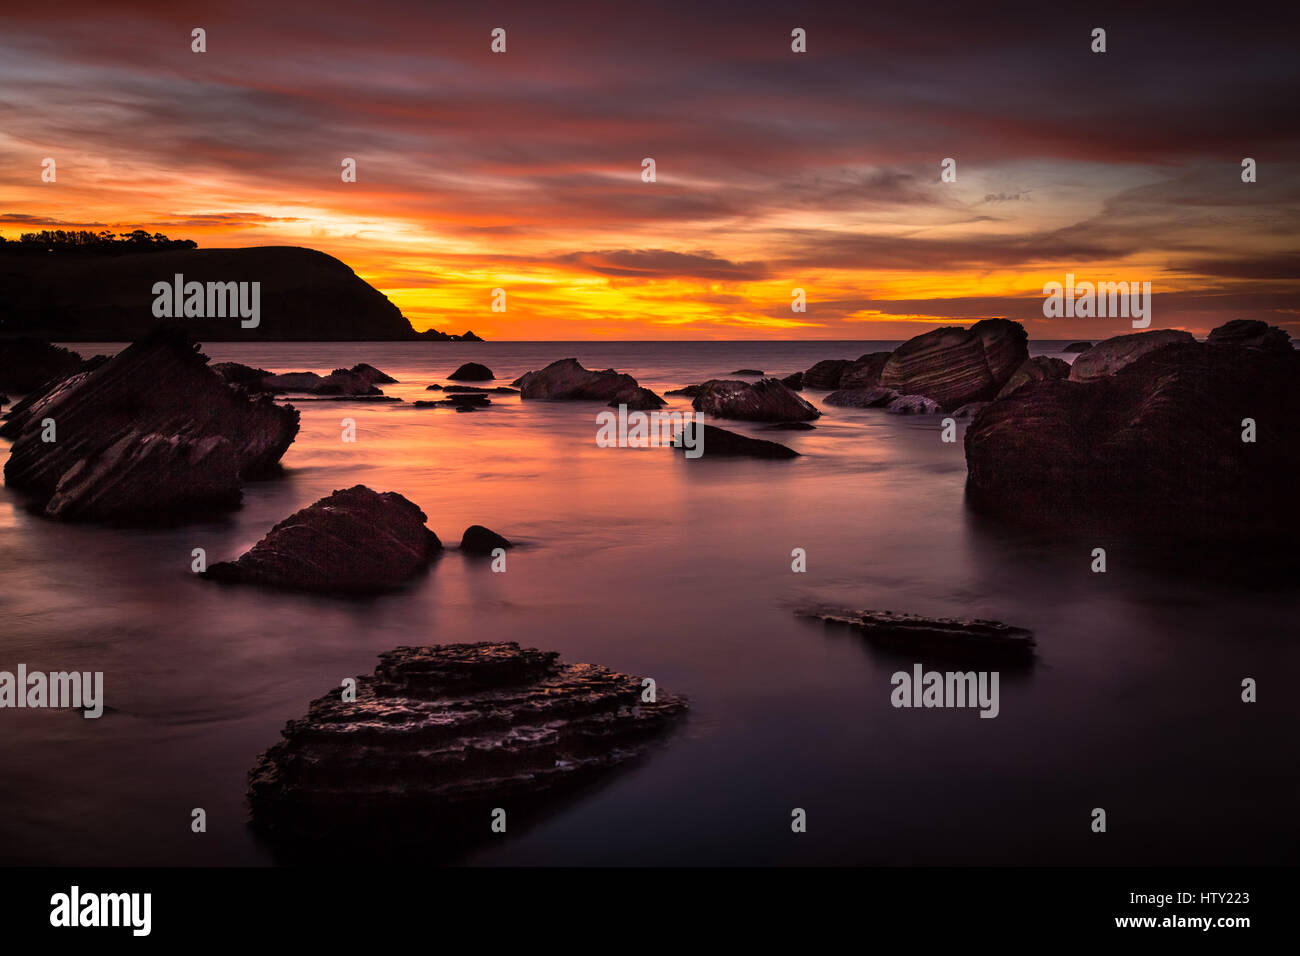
775 170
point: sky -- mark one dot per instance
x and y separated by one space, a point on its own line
774 170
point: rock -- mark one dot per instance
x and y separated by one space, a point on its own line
292 382
354 541
150 435
913 405
939 637
1035 370
970 409
4 400
1157 446
498 390
1108 357
825 374
637 400
766 400
468 336
341 381
790 427
719 442
245 375
1251 334
793 382
865 372
747 371
690 391
440 736
372 375
472 372
861 397
480 540
458 401
954 366
1077 347
568 380
26 364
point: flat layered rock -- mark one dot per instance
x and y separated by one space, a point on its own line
150 435
954 366
566 379
719 442
766 400
938 637
875 397
355 541
26 364
438 738
1108 357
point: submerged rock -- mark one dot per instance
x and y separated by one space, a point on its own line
1251 334
26 364
1156 446
472 372
567 379
437 739
766 400
719 442
149 435
1035 370
790 427
459 400
938 637
637 400
1108 357
354 541
861 397
480 540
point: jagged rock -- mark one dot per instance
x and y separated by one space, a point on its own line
793 382
1155 446
1108 357
26 364
865 372
4 400
913 405
245 375
748 371
437 739
341 381
1077 347
826 373
372 375
637 399
954 366
766 400
480 540
718 442
472 372
1035 370
567 379
790 427
467 336
690 391
969 410
1251 334
861 397
354 541
150 435
940 637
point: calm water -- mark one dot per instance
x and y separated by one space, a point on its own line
651 564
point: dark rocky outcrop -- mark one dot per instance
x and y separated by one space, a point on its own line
1155 446
472 372
480 540
954 366
876 397
496 390
371 374
1251 334
26 364
437 739
826 373
354 541
1035 370
793 382
969 410
865 372
637 400
459 400
567 379
937 638
150 435
913 405
766 400
790 427
719 442
245 375
690 391
1077 347
747 371
1108 357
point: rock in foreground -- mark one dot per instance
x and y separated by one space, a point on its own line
941 638
719 442
438 738
567 379
480 540
26 364
1251 334
1108 357
953 366
355 541
150 435
766 400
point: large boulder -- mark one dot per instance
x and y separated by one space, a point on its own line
637 400
1077 347
861 397
1251 334
1157 445
341 381
437 739
793 381
472 372
826 374
374 376
1035 370
26 364
567 379
150 435
1108 357
865 372
354 541
766 400
953 366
